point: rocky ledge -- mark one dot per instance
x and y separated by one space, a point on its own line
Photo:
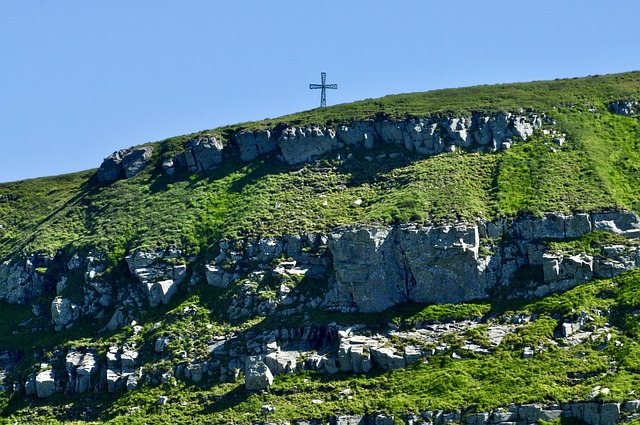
430 135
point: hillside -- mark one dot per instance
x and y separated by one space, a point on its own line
448 256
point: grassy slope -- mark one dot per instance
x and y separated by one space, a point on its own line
596 169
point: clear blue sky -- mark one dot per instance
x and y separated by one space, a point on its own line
80 79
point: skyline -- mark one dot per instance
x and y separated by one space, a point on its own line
84 79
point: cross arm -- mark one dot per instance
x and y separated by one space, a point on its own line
315 86
331 86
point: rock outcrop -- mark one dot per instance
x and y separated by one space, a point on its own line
376 268
63 312
81 369
203 153
19 281
624 107
125 162
160 273
428 136
257 375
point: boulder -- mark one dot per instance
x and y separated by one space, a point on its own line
45 383
216 276
30 386
386 359
125 162
624 107
111 168
257 375
282 362
161 344
128 359
161 292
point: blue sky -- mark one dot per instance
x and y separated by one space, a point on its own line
80 79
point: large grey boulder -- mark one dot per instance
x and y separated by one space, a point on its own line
386 358
281 362
217 277
125 162
152 270
161 292
257 375
111 168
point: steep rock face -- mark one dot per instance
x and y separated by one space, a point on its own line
376 268
19 282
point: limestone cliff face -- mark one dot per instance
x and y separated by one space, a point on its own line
376 268
367 268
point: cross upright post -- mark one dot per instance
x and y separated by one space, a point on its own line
323 87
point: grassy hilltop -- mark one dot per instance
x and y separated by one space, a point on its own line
597 168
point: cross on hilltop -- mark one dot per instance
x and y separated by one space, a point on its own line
324 86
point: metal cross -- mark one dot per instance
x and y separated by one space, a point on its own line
324 86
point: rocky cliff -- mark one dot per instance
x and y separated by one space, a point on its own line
514 318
